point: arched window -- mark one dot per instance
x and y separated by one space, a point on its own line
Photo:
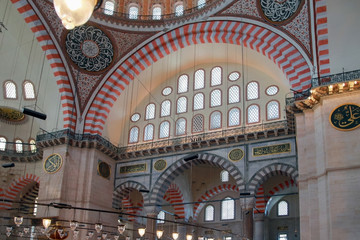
150 111
272 110
19 146
134 135
181 105
180 126
198 101
252 91
215 98
133 12
10 90
283 208
2 144
149 132
198 123
165 108
234 117
199 81
29 91
283 236
209 213
156 12
227 209
164 131
109 8
179 9
183 83
224 176
234 94
32 145
215 120
253 114
215 76
201 3
161 217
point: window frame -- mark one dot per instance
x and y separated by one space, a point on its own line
128 10
258 91
156 17
30 145
138 135
239 91
160 130
160 220
203 103
200 69
266 109
184 127
16 144
228 77
288 208
112 11
247 113
161 116
187 84
278 89
211 76
205 215
228 117
5 143
221 176
210 129
192 124
186 105
221 209
151 103
221 96
177 4
5 90
153 132
24 90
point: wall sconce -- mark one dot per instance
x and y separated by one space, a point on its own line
73 13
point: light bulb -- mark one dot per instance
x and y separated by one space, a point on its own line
159 233
74 12
121 228
46 222
141 231
73 225
18 220
188 237
175 235
98 227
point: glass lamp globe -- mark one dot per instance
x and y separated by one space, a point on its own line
141 231
175 235
188 237
46 222
159 233
98 227
121 228
18 220
74 12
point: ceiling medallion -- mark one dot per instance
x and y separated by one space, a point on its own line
89 48
11 115
236 154
279 11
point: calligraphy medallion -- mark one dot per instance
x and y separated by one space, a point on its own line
345 117
89 48
53 163
279 11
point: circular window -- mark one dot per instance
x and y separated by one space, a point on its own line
272 90
166 91
234 76
135 117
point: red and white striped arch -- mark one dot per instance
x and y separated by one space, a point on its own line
12 192
261 199
41 33
293 62
174 196
201 202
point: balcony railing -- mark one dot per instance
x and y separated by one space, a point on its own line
324 81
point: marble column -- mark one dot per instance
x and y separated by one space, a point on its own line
258 220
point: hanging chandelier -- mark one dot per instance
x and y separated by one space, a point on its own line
75 13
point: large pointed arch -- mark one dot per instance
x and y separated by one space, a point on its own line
47 44
177 168
285 53
12 192
271 170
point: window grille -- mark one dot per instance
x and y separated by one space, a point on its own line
165 108
183 84
149 132
199 79
216 76
253 114
109 7
215 120
198 123
133 12
252 91
283 208
181 105
215 98
209 213
227 209
234 94
198 101
273 110
150 111
156 13
234 117
180 126
10 90
29 90
134 135
164 129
